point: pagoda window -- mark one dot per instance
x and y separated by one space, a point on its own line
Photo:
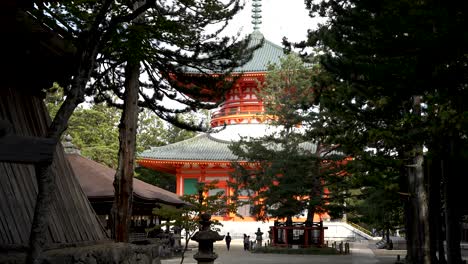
190 186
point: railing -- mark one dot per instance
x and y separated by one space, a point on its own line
360 228
252 112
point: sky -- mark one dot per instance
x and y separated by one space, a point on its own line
280 18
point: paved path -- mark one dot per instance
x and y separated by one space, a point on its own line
360 254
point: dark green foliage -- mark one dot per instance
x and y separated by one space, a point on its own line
383 56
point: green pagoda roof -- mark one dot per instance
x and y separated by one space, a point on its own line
201 147
268 53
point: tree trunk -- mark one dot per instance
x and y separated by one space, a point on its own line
123 182
410 241
433 173
316 187
46 186
419 201
452 215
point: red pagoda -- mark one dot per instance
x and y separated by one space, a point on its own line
206 157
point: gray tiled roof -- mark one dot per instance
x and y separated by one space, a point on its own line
268 53
201 147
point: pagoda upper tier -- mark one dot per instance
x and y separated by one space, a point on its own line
241 105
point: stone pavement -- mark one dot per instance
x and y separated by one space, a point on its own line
361 253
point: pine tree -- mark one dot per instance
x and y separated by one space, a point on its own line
396 85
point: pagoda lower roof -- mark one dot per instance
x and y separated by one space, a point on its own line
203 147
214 147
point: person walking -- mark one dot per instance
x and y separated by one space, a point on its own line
246 242
228 241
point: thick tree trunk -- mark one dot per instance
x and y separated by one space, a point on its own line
123 182
419 201
452 215
409 227
316 188
419 215
435 209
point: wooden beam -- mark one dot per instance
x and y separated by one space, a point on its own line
26 149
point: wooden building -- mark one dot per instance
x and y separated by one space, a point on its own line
33 57
96 180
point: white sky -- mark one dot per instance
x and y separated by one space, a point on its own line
279 18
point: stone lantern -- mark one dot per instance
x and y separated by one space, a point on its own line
259 237
205 238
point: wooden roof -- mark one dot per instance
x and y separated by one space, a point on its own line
33 55
72 219
97 182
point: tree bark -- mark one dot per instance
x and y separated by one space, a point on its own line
433 172
410 242
419 201
316 187
452 215
38 236
123 182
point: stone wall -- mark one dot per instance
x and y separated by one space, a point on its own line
109 253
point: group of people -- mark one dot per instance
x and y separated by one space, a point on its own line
246 241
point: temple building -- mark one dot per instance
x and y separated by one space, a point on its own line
97 179
207 157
